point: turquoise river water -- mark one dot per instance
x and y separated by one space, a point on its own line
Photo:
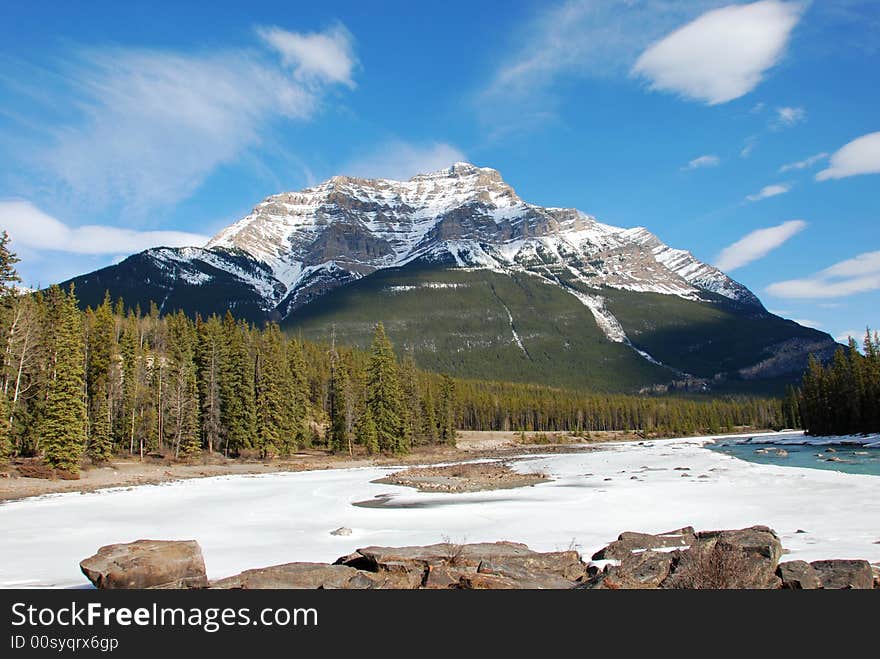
848 459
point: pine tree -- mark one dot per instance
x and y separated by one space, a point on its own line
8 274
100 447
64 421
100 348
383 396
237 412
446 413
367 433
182 398
411 407
429 417
338 439
272 394
298 407
131 376
209 366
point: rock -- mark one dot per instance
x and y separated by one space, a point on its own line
445 565
637 571
538 570
147 564
377 558
838 574
342 530
486 582
798 575
381 581
291 576
628 542
441 576
743 558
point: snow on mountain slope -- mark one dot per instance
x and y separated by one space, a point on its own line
296 247
348 227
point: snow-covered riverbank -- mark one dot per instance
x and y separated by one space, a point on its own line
253 521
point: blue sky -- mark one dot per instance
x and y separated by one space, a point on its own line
744 132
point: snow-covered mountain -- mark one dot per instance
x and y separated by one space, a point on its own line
499 274
324 236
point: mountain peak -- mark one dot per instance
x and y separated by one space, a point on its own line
466 215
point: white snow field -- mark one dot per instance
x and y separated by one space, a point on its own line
254 521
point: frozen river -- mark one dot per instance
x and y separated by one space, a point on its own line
253 521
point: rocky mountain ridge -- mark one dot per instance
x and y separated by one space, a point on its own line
321 237
578 302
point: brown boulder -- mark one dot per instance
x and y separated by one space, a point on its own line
479 581
291 576
442 576
838 574
375 558
408 567
742 558
561 569
147 564
798 575
629 542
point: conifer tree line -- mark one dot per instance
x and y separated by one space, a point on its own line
114 380
842 397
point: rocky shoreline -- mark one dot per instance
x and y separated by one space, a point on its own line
19 479
746 558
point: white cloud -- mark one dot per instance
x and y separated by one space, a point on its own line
401 160
146 127
757 244
749 146
574 39
703 161
721 55
856 275
815 324
769 191
861 156
844 337
327 56
787 116
805 163
32 229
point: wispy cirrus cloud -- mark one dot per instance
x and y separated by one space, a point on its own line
723 54
859 274
806 163
757 244
700 162
148 126
400 160
750 144
32 229
769 191
861 156
788 116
